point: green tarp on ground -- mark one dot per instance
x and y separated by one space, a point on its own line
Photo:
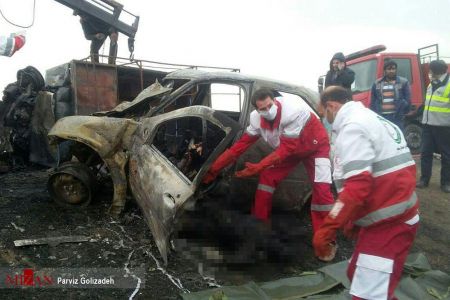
331 283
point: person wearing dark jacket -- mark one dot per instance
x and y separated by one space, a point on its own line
97 31
339 74
436 125
391 95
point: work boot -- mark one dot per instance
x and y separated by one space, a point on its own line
445 188
421 184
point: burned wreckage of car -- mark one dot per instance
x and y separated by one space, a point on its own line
159 146
24 120
31 105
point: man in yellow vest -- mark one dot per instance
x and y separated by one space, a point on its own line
436 126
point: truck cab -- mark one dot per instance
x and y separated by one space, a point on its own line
368 67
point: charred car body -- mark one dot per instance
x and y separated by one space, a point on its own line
160 145
21 111
32 105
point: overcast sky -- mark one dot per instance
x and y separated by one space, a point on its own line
291 40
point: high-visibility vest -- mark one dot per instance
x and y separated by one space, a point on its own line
437 105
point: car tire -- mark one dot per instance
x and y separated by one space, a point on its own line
413 136
72 185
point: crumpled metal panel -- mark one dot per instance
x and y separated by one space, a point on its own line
146 95
109 137
159 187
159 202
104 135
41 122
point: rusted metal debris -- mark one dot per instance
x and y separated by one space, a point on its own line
52 241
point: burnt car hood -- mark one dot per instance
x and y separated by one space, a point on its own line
104 135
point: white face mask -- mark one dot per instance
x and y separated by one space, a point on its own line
269 114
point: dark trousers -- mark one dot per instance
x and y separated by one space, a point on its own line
96 44
397 120
435 139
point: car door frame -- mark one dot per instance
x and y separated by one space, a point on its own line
159 204
292 185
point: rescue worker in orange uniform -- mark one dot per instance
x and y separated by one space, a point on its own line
375 177
297 135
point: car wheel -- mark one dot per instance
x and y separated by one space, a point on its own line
71 185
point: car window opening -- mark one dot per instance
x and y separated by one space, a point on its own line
225 98
187 143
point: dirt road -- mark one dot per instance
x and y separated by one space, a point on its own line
27 212
433 237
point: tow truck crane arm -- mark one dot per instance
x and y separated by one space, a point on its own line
107 11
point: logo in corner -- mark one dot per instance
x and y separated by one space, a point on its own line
28 278
393 130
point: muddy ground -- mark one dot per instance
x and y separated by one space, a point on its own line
127 242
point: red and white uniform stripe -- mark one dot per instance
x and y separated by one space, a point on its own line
374 166
9 45
296 135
